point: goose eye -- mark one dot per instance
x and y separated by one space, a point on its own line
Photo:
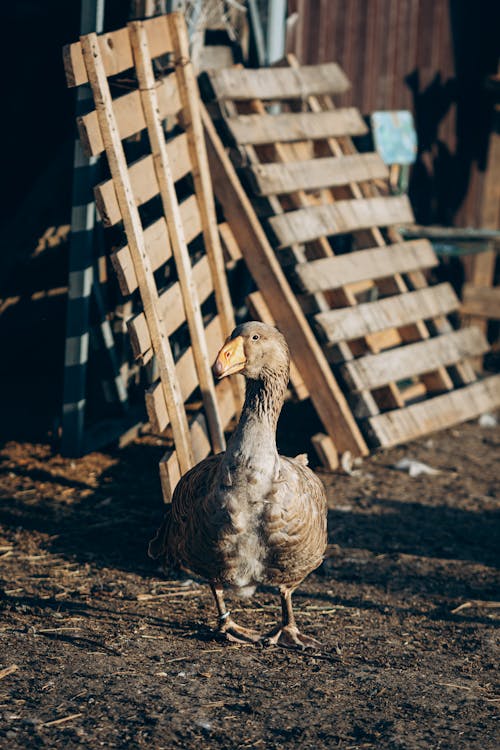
255 337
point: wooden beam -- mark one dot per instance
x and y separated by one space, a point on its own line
391 312
146 79
437 413
129 115
171 306
278 83
376 370
191 120
308 224
114 51
314 174
481 301
157 244
295 126
373 263
143 180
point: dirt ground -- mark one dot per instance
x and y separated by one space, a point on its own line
99 649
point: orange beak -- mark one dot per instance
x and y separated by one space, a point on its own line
230 359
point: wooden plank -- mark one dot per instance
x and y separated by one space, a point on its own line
115 51
146 80
157 243
231 248
186 375
308 224
118 168
239 84
392 312
376 370
169 466
481 301
328 399
171 306
143 180
326 451
295 126
191 120
260 310
129 115
373 263
437 413
314 174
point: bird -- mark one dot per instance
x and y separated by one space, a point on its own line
249 516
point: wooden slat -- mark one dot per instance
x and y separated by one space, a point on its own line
189 93
149 99
376 370
149 295
260 310
171 307
231 248
314 174
295 126
481 301
328 399
157 244
278 83
129 115
308 224
186 375
373 263
115 51
169 466
143 180
437 413
392 312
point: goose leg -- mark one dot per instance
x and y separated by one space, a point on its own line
227 627
287 634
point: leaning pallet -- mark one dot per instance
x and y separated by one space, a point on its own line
161 206
326 213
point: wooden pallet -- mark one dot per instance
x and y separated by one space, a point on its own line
326 211
143 87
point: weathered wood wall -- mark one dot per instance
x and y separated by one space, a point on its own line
429 56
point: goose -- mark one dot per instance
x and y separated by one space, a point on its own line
249 516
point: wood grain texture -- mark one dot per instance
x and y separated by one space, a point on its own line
143 180
296 126
157 244
400 310
186 374
437 413
115 51
342 217
129 115
373 263
481 301
171 305
278 83
376 370
314 174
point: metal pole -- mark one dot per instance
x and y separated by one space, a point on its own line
276 24
81 261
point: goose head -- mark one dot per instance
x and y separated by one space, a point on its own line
256 350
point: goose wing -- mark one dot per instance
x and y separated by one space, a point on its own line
295 523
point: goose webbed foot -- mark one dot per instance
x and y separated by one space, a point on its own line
231 631
228 629
287 634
